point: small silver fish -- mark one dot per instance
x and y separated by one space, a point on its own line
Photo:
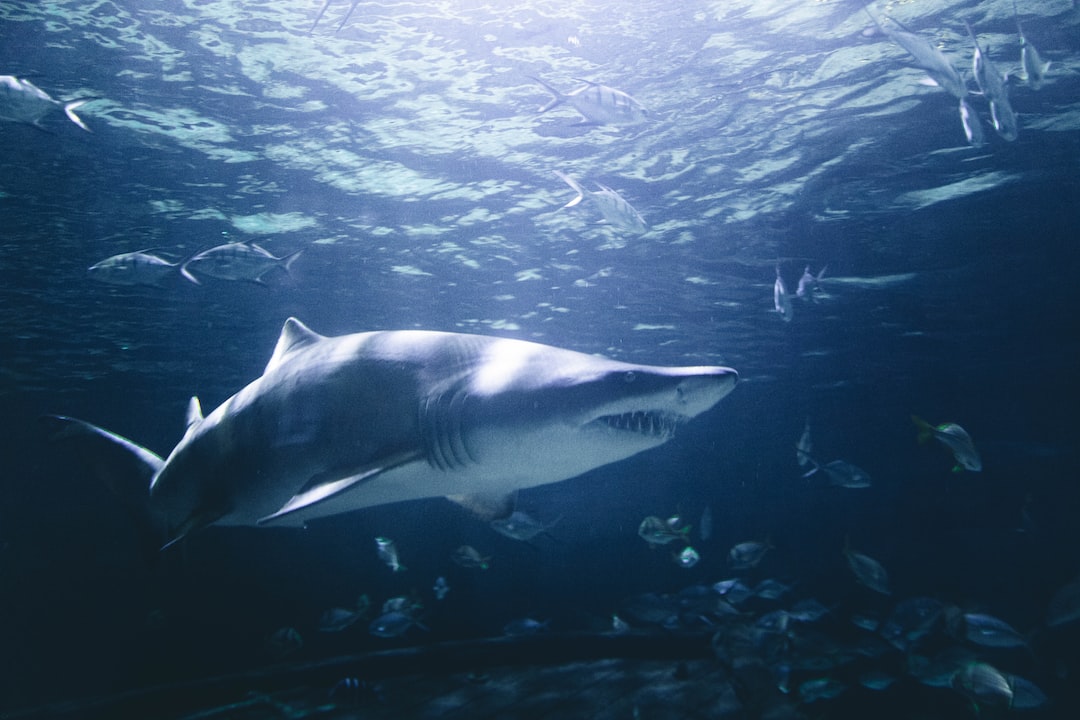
22 101
611 204
1032 67
337 619
688 558
525 626
868 571
655 531
972 125
597 103
953 437
322 11
521 526
441 588
393 624
992 82
388 553
984 684
236 261
133 268
469 557
941 71
841 473
749 554
988 631
283 642
781 298
809 283
804 446
705 525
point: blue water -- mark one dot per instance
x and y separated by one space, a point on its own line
404 155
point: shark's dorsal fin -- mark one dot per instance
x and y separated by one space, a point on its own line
320 489
194 411
294 335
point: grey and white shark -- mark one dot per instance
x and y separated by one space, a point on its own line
335 424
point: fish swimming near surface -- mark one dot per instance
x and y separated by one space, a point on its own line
1033 68
809 283
237 261
335 424
611 204
24 102
322 11
939 68
940 71
992 82
598 104
133 268
953 437
782 298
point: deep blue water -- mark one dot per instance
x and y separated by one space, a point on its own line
404 155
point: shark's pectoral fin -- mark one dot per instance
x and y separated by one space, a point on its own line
325 487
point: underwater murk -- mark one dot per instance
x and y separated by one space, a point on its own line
677 359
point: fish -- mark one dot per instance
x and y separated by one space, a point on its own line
322 11
820 689
22 101
867 570
841 473
133 268
1033 68
953 437
748 554
910 621
938 67
992 82
781 298
393 624
655 531
283 642
688 558
237 261
988 631
809 283
705 525
1064 607
387 551
522 526
804 447
441 588
525 626
336 424
972 125
469 557
611 204
598 104
984 684
338 619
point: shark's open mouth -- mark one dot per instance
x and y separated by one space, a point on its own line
651 423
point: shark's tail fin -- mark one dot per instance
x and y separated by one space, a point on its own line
556 96
119 464
71 107
576 187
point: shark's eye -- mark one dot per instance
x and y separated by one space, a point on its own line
629 377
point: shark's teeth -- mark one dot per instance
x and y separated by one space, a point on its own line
647 422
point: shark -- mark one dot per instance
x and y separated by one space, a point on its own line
336 424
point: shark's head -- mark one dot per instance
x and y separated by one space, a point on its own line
536 414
